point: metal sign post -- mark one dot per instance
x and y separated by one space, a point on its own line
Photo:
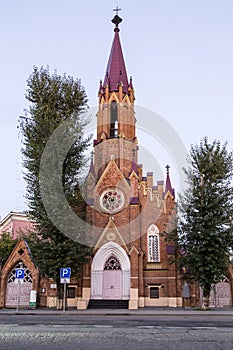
18 296
64 297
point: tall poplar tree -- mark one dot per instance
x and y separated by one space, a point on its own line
55 101
205 215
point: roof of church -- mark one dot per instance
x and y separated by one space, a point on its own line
116 70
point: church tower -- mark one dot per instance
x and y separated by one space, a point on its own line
115 118
127 215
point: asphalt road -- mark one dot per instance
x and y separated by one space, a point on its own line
90 332
125 321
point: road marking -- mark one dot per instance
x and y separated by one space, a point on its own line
178 327
102 326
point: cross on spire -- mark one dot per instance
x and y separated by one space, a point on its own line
116 20
117 10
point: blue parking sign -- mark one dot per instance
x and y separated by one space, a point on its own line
65 272
19 273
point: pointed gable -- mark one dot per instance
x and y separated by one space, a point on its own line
111 234
21 252
112 177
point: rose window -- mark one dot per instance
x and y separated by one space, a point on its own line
112 200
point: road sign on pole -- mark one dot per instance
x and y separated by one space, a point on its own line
65 273
19 276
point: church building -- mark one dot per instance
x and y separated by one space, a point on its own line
133 264
127 215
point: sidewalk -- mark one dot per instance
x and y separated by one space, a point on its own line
152 311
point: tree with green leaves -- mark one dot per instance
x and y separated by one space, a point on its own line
7 244
205 215
54 146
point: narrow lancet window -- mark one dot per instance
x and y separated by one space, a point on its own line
114 119
153 244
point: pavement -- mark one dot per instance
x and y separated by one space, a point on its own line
146 311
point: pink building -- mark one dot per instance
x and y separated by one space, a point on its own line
15 222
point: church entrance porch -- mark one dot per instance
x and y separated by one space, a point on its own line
110 276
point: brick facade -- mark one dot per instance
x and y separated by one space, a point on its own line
114 168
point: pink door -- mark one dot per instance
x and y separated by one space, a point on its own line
112 284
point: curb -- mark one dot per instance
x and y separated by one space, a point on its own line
134 313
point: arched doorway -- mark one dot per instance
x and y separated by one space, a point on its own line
110 273
18 293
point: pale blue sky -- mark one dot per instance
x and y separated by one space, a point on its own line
180 54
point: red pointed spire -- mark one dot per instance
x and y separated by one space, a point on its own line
116 71
168 186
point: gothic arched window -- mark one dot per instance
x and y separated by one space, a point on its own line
112 264
27 273
113 119
153 245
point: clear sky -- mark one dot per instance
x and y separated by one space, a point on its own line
180 54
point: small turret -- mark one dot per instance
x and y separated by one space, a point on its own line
168 186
